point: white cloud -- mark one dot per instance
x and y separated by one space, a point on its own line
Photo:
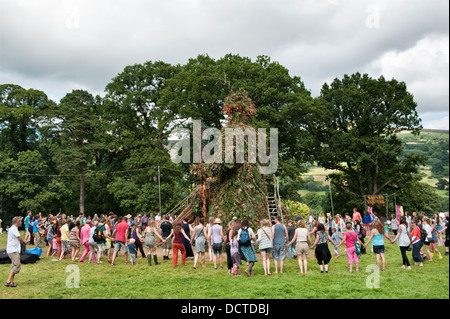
60 45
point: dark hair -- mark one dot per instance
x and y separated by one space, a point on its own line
320 227
278 218
403 220
245 223
77 223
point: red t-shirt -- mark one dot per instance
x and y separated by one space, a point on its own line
415 233
121 230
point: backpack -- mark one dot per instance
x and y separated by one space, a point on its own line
423 235
244 238
98 234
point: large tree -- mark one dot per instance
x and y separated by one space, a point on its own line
353 131
199 89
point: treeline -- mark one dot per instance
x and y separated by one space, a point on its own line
95 154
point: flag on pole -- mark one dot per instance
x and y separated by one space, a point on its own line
399 211
370 210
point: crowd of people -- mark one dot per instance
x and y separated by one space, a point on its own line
109 235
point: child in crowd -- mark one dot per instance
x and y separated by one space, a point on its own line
132 250
235 255
351 239
378 234
336 240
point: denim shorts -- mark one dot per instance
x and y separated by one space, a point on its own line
378 249
279 252
267 250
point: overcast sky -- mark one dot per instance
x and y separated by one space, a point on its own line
60 45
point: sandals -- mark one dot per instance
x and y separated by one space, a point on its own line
10 284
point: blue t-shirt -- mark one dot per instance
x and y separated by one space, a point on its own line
35 229
279 238
132 249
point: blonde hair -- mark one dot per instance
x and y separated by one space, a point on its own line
265 222
151 223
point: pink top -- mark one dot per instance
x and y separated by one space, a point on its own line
85 233
348 238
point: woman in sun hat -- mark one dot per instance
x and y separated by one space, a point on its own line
216 238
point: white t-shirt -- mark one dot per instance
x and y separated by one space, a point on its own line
157 218
13 244
428 229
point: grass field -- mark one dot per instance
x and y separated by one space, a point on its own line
47 279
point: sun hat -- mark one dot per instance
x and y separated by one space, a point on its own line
217 221
128 216
234 218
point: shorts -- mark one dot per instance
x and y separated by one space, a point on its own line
301 248
167 244
103 246
133 258
378 249
429 241
368 224
120 244
267 250
15 262
217 250
279 252
65 245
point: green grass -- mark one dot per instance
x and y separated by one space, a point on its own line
47 279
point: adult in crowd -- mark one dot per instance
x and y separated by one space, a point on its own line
416 242
439 226
187 243
178 232
36 234
376 236
216 238
361 232
394 224
144 221
279 237
330 224
166 228
309 221
356 215
245 237
158 219
120 233
264 240
447 235
93 248
13 249
102 243
302 242
299 217
136 235
291 232
75 240
208 229
321 218
150 235
228 237
85 233
51 230
403 241
323 254
27 224
367 221
199 240
340 223
65 232
350 239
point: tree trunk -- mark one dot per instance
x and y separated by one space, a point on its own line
82 193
